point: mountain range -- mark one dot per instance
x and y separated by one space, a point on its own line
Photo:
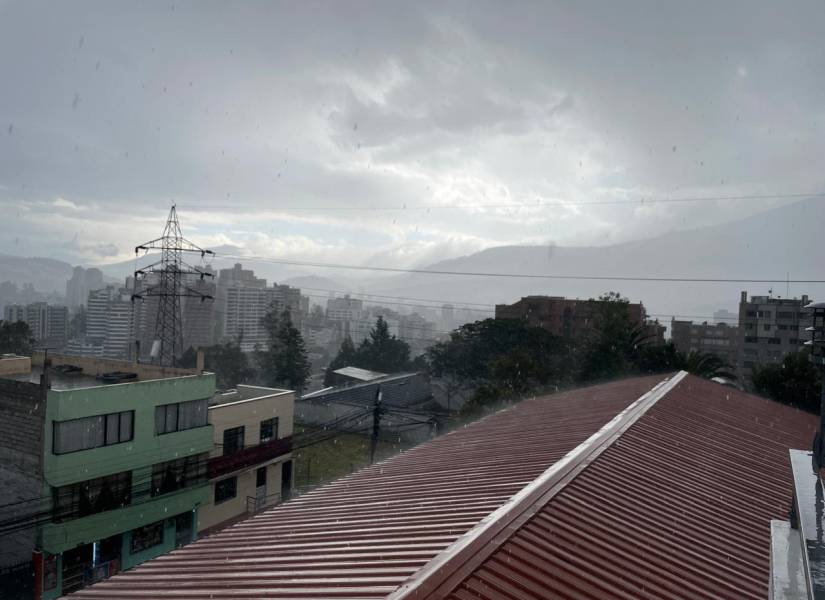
778 244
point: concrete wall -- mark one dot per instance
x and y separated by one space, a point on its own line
213 515
13 365
253 405
250 413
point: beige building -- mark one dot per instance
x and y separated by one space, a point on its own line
250 466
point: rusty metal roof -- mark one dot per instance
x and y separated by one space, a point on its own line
641 488
363 535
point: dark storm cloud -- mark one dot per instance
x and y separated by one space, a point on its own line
110 110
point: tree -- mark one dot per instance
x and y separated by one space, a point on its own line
499 358
284 363
707 365
228 362
15 338
347 355
796 381
383 352
607 351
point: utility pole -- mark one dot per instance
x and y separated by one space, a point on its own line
163 281
377 411
817 346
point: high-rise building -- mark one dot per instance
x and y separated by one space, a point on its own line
109 321
721 339
80 284
242 302
48 323
769 329
198 315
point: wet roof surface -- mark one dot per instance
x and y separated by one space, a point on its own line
673 500
363 535
679 507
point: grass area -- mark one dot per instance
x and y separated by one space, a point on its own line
342 455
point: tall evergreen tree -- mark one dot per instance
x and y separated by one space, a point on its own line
284 363
347 356
15 338
383 352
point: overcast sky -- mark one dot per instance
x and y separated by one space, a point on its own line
240 112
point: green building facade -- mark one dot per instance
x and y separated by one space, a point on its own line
115 497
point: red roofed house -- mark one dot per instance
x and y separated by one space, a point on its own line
649 487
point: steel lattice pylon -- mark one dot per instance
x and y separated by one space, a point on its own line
166 280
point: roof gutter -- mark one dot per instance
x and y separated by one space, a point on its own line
438 578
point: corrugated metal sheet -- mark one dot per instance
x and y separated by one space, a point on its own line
363 535
679 507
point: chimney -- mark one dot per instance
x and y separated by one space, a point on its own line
744 297
199 361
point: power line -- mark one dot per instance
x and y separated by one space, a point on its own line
524 275
517 205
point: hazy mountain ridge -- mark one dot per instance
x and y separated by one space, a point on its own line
771 244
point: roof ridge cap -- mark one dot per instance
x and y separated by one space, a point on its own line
439 577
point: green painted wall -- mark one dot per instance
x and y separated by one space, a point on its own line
59 537
146 448
137 456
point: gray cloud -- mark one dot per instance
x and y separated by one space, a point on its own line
239 110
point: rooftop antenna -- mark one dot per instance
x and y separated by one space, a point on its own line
165 280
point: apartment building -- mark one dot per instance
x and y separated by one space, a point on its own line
48 323
243 300
560 316
250 466
106 462
719 339
80 284
769 329
110 321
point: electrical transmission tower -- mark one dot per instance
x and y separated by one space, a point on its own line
166 281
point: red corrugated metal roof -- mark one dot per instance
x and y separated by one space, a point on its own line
678 507
363 535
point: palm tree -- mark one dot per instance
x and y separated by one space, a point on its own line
707 365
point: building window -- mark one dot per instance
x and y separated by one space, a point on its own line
750 313
793 341
766 327
233 440
751 339
176 474
269 429
774 341
180 416
748 364
92 496
749 325
226 489
146 537
260 477
92 432
784 315
782 326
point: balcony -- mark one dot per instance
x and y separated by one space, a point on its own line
237 461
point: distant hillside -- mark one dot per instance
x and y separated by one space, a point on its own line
45 274
771 244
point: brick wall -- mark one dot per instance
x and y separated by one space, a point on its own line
22 418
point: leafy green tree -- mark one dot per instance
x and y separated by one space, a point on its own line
499 358
229 364
284 362
15 338
347 356
383 352
796 381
